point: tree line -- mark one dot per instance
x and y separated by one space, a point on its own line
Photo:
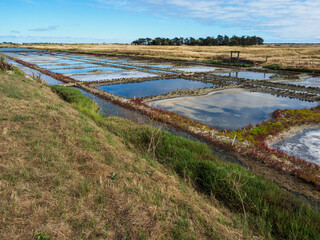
208 41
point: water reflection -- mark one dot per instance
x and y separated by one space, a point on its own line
50 60
156 65
85 70
248 75
111 110
49 80
155 87
110 76
230 109
196 69
61 66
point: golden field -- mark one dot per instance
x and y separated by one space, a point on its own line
288 55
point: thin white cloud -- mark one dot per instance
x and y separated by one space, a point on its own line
288 19
44 29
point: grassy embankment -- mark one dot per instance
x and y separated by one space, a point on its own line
301 57
266 208
64 175
72 173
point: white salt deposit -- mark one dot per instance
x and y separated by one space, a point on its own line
305 145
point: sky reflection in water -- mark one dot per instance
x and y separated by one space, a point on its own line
155 87
231 109
248 75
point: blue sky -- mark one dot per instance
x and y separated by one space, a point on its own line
122 21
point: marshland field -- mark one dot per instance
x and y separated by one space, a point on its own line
119 141
287 55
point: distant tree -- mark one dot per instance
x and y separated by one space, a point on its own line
211 41
186 41
208 41
148 41
140 41
156 41
176 41
201 41
220 40
193 41
225 41
167 41
234 41
259 41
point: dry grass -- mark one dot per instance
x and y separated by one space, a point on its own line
290 55
62 174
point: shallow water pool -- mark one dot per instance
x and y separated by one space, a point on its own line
231 108
85 70
248 75
49 80
154 87
109 76
195 69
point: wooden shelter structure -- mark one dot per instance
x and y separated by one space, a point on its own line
236 57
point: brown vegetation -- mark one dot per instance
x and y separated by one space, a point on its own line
288 55
62 174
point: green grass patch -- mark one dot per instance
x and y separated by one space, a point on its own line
267 209
82 103
39 235
20 118
13 86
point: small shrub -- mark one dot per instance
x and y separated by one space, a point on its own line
39 235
